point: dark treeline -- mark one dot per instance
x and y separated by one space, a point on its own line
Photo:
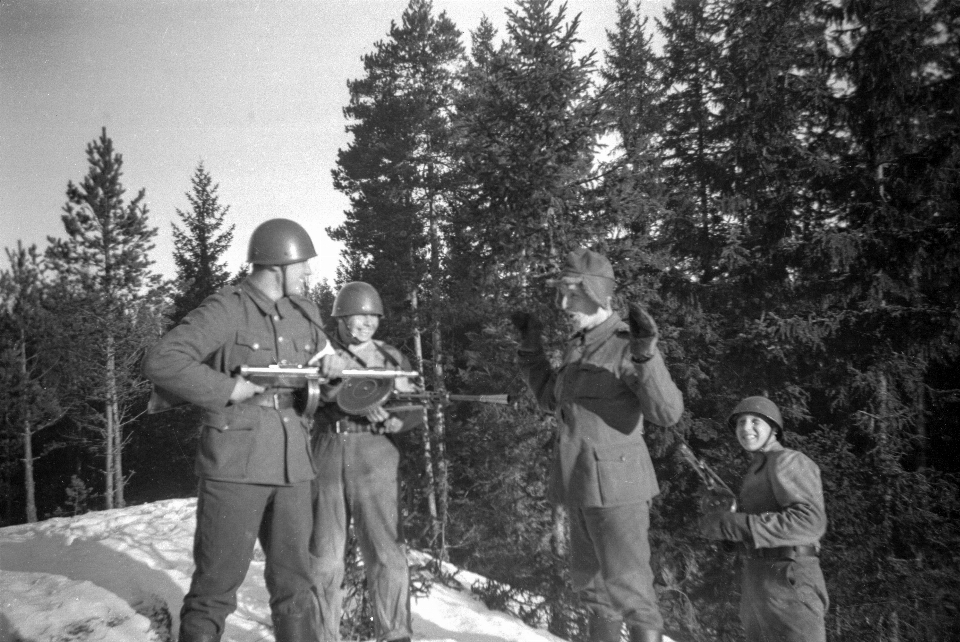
777 181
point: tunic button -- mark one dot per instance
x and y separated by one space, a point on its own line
256 346
623 458
286 419
306 346
279 339
276 317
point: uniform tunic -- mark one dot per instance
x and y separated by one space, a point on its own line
784 597
358 481
601 467
254 462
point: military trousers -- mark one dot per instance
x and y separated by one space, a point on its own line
783 600
230 518
610 563
358 481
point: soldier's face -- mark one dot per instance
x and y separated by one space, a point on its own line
582 311
296 279
753 432
361 327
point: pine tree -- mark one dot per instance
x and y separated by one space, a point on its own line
200 246
104 262
30 366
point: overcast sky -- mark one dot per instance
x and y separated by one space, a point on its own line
252 88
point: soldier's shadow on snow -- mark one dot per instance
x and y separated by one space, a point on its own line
149 591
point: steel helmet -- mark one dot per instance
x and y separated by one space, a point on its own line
758 406
280 241
357 297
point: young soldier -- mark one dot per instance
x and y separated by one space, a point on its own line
611 379
357 479
779 521
253 458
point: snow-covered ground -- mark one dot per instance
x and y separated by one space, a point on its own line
120 575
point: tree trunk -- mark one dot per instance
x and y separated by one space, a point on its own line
28 482
427 446
109 441
441 460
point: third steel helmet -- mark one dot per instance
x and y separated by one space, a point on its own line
758 406
357 297
279 241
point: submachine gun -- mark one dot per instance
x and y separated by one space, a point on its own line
306 380
359 396
718 495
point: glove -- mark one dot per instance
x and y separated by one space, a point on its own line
714 501
643 333
530 330
734 527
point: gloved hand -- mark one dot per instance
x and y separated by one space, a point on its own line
733 527
717 501
530 330
643 333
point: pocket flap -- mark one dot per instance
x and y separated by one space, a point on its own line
627 452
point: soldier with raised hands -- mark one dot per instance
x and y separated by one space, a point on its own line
611 379
253 457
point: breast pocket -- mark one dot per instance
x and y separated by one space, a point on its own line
604 394
253 349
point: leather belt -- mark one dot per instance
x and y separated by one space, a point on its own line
348 427
276 400
783 552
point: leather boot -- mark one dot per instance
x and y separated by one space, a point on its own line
298 627
190 632
603 630
638 634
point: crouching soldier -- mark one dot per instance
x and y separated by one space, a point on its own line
778 523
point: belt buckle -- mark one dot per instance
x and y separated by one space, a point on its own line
276 400
336 427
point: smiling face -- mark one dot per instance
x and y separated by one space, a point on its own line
360 327
754 433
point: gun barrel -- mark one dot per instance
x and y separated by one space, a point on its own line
439 397
313 372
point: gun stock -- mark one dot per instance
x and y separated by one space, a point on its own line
719 494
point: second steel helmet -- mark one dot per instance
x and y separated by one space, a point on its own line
279 241
758 406
357 297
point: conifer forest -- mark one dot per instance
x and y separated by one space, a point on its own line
778 183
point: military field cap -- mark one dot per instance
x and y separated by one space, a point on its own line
590 269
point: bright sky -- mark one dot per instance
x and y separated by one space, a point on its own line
252 88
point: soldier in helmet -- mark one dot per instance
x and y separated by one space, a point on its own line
357 462
254 458
778 523
612 378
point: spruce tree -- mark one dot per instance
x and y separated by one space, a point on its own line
200 246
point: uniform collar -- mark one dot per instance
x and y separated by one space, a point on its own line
260 299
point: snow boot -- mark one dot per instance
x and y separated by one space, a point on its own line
603 630
638 634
